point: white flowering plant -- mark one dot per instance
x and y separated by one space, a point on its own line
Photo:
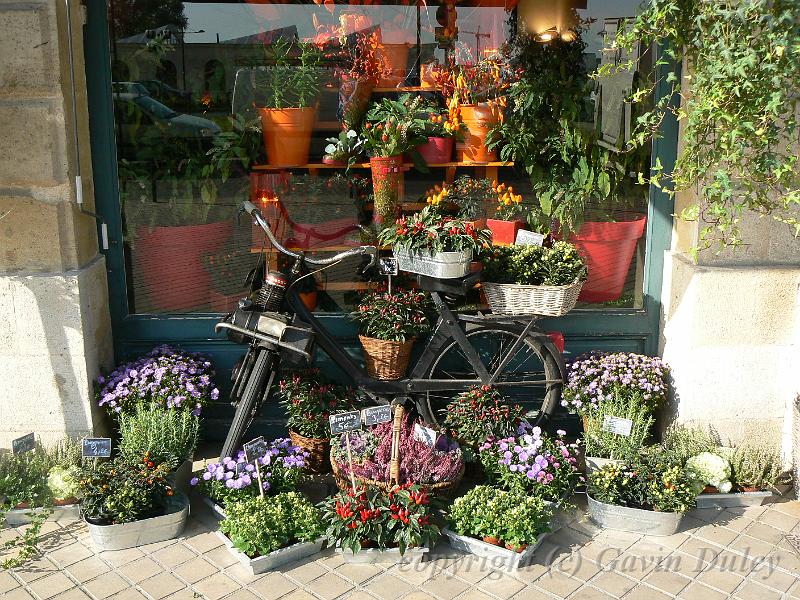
709 469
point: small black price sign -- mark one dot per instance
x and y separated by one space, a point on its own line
377 414
388 266
347 421
255 449
23 444
96 448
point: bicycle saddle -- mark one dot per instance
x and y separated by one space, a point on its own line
456 287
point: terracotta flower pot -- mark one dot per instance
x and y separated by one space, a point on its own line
327 160
491 540
387 174
608 249
504 232
513 548
309 299
287 134
437 150
478 119
710 489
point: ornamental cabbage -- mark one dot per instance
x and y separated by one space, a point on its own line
707 468
62 483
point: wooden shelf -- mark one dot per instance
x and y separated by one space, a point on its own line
366 165
407 88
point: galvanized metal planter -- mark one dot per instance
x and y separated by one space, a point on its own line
732 500
146 531
443 265
180 478
216 509
635 520
387 556
65 513
275 559
497 555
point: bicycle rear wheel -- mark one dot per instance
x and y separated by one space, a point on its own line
532 377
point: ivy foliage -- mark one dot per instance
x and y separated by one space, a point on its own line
740 118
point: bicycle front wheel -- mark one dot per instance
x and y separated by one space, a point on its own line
531 377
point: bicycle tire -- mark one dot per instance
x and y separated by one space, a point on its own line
431 407
248 405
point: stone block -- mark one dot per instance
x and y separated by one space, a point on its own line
30 62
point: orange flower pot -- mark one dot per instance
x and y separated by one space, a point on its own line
478 119
504 232
287 134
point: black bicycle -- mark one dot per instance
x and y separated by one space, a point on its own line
465 349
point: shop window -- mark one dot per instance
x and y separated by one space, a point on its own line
190 143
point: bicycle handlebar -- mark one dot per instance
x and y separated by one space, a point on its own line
252 210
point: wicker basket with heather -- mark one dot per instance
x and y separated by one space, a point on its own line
388 324
533 279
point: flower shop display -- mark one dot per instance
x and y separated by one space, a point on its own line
431 244
292 85
505 526
682 442
596 377
233 479
168 436
309 400
388 325
169 377
128 504
345 149
756 464
647 496
532 462
529 279
373 524
266 533
438 468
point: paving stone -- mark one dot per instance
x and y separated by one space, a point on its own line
644 592
139 570
304 571
779 520
751 590
119 558
106 585
700 549
613 583
204 542
502 585
132 594
69 554
174 555
195 570
698 591
389 587
272 585
7 582
88 568
17 594
587 593
791 508
358 573
220 557
725 581
532 593
75 593
716 534
35 569
243 595
471 569
773 578
300 595
474 594
415 573
217 586
329 586
667 581
52 585
749 546
240 573
418 596
558 584
765 533
162 585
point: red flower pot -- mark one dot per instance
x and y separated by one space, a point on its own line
387 174
437 150
608 249
169 262
504 232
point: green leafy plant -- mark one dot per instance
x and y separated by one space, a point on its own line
346 147
560 264
682 442
258 526
738 109
169 436
480 413
755 464
63 482
309 401
399 316
294 76
393 127
605 444
430 231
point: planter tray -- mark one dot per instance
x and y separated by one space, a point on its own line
497 555
732 500
274 559
147 531
217 510
66 512
634 520
442 265
388 556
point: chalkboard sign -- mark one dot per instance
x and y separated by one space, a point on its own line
529 238
254 449
377 414
241 467
347 421
23 444
388 266
617 425
96 447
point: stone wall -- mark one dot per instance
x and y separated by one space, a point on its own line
55 328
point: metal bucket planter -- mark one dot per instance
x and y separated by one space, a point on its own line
180 478
442 265
146 531
635 520
498 556
216 509
275 559
387 556
740 499
21 516
594 463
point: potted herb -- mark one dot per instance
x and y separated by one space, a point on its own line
128 504
388 325
377 525
233 479
647 496
756 464
343 149
171 378
529 279
431 244
266 533
292 85
532 462
504 526
308 403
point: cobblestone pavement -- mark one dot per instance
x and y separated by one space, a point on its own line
741 553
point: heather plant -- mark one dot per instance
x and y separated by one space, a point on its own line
755 464
169 436
170 378
419 462
398 316
532 462
598 377
233 479
479 413
309 400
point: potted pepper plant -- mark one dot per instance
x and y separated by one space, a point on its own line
440 130
466 198
509 214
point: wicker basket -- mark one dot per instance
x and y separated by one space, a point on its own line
318 451
548 300
384 359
